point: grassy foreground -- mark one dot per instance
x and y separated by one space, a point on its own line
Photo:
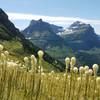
29 82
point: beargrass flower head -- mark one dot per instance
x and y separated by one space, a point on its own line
73 61
11 64
43 74
95 68
32 56
81 69
67 60
1 47
86 68
33 59
26 59
52 72
87 73
6 53
90 71
42 69
79 79
40 53
57 78
75 69
64 74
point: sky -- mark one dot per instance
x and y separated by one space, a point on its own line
59 12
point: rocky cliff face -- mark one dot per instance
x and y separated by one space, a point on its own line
44 35
81 36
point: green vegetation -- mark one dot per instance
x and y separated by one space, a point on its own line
59 52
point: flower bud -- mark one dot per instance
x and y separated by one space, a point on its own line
40 53
1 47
57 78
6 53
75 69
33 59
81 70
67 61
95 68
73 60
86 68
87 73
52 72
79 79
26 59
43 74
90 72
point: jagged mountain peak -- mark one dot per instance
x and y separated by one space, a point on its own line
3 15
80 25
33 22
80 36
40 26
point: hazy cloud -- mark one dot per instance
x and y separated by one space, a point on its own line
55 20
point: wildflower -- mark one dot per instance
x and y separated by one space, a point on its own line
42 69
73 61
67 61
52 72
79 79
95 68
43 74
1 47
87 73
75 69
64 74
86 68
33 60
81 70
26 59
57 78
11 64
90 71
6 53
40 53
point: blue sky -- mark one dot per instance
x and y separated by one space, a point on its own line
84 10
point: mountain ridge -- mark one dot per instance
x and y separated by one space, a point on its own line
82 35
16 39
79 36
43 35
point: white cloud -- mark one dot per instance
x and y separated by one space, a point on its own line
51 19
63 21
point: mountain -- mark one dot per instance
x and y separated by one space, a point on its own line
56 28
44 35
84 41
40 25
99 37
17 45
81 36
78 39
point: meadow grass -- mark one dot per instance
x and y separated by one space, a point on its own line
29 82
